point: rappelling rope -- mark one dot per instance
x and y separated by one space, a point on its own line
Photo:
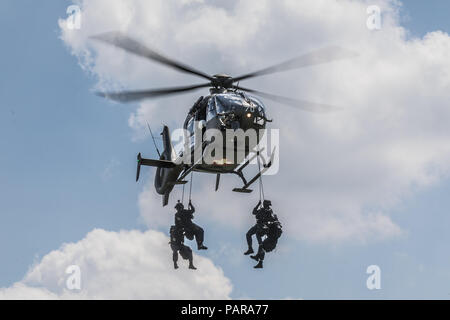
261 187
190 190
190 187
182 196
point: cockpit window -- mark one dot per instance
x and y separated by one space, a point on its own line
226 103
211 113
222 106
259 106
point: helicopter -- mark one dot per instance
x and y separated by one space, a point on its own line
228 106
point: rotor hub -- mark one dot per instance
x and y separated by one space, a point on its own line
222 80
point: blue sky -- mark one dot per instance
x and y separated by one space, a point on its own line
67 166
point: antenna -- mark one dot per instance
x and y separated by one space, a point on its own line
153 138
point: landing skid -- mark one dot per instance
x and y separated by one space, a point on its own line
266 166
239 172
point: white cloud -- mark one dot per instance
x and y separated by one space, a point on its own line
110 169
340 174
150 207
120 265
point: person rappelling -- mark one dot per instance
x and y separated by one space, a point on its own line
267 226
183 220
272 232
262 214
184 217
177 245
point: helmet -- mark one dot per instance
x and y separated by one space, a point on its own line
267 203
179 205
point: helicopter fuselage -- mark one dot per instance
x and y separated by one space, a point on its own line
219 133
237 119
226 109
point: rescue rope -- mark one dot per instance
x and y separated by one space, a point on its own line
190 190
261 187
182 196
190 187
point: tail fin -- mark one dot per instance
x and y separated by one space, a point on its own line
165 198
169 153
152 163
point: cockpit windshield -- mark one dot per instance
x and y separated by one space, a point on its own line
222 104
211 113
225 103
259 106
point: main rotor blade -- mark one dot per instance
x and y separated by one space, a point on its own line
126 43
296 103
320 56
130 96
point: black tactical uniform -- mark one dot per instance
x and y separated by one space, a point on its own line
273 232
177 245
183 219
263 216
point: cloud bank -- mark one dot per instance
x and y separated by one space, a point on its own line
342 174
120 265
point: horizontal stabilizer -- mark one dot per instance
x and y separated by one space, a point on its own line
157 163
153 163
178 182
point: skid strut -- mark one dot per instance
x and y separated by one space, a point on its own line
244 188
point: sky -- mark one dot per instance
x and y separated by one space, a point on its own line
67 166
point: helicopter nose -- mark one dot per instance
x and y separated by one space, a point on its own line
235 125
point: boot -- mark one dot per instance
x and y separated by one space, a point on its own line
175 265
202 247
249 251
191 266
259 265
255 257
